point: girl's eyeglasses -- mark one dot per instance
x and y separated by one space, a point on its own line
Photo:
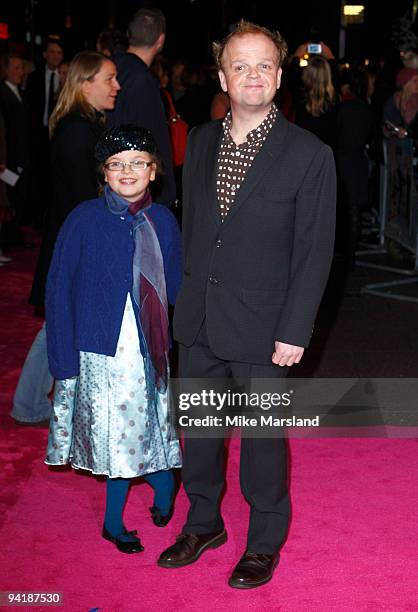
136 165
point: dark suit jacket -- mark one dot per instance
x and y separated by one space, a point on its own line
17 129
139 102
35 97
259 276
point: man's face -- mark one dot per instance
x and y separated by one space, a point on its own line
15 71
53 56
250 73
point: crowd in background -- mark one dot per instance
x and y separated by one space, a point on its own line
344 105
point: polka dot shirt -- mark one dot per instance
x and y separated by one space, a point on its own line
234 161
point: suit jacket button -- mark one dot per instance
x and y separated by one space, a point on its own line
213 280
219 243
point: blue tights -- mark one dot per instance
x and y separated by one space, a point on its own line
116 492
117 489
163 484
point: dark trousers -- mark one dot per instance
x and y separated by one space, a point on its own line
263 461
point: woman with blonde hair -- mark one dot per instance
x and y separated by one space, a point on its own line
75 126
317 110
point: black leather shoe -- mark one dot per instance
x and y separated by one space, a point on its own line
189 547
160 520
253 570
134 532
121 545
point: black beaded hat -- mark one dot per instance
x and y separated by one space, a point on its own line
124 138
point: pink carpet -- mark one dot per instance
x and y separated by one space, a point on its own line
352 544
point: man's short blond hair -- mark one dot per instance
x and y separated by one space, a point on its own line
247 27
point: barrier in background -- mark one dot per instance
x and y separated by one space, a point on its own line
398 218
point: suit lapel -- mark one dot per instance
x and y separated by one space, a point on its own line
212 145
268 156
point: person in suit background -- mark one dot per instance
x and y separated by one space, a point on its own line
139 101
16 125
259 198
41 94
6 211
43 85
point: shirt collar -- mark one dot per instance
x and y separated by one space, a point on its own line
14 88
258 133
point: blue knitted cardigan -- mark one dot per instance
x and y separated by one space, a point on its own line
90 277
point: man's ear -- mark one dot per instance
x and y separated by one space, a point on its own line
222 80
279 77
160 42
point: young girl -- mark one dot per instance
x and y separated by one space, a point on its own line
115 265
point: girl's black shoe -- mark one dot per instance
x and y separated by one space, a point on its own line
161 520
123 546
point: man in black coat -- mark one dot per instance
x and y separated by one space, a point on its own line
41 94
258 227
17 144
139 101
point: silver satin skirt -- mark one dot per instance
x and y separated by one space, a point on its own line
104 420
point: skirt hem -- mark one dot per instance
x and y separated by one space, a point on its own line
91 470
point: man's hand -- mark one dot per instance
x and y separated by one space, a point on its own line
286 354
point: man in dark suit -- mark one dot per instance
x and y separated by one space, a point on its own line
17 145
43 84
258 226
139 101
41 94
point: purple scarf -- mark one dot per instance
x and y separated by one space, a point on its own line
149 289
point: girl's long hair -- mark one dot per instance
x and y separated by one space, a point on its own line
83 67
319 90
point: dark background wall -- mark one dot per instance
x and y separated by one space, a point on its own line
193 24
